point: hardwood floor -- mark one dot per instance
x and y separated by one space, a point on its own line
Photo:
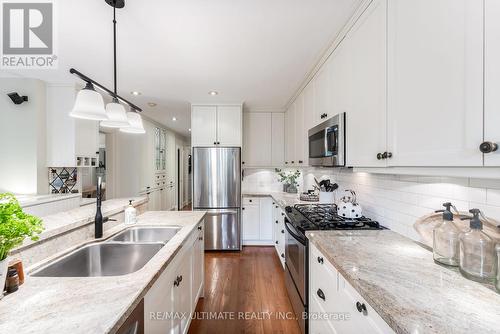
249 286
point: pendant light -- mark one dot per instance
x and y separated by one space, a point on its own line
135 121
116 114
89 105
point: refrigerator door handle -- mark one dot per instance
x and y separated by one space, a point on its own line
215 212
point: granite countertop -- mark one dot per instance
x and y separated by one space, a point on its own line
283 199
65 221
400 280
91 304
30 200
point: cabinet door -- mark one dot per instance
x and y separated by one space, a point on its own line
322 95
435 80
229 126
250 220
182 295
492 80
278 139
147 167
290 136
300 132
257 142
198 251
87 138
171 158
309 117
203 126
366 118
266 219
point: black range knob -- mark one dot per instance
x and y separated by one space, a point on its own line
488 147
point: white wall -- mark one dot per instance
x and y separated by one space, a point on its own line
23 136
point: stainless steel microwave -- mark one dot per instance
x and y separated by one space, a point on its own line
327 143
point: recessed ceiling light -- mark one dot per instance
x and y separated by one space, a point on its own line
135 93
213 93
174 119
152 104
189 130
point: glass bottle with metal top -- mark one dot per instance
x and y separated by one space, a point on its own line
446 239
477 252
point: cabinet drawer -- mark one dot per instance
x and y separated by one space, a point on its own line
318 325
251 201
323 280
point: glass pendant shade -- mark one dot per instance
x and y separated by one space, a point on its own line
135 122
89 105
117 116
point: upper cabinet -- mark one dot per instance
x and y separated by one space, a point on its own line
435 82
492 80
216 125
263 139
359 76
290 136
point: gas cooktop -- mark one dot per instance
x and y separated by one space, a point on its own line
310 217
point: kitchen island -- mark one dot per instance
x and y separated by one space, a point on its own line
94 304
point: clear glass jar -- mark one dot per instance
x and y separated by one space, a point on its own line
446 246
477 256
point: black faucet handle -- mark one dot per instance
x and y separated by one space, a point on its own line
107 219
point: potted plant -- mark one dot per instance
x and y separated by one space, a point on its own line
15 226
289 180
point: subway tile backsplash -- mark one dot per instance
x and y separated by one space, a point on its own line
396 201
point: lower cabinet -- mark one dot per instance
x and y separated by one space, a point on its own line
331 294
256 218
279 232
171 301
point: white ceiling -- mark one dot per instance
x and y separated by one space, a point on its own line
175 52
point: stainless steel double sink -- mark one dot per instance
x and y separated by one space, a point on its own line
124 253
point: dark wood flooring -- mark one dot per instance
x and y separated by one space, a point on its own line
249 286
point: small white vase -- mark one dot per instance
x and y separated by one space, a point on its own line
4 266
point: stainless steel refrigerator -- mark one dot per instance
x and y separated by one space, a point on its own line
217 190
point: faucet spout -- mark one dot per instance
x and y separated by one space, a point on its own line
98 221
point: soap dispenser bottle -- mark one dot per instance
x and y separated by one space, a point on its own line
477 252
130 214
446 239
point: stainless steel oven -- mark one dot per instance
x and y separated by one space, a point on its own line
296 272
327 143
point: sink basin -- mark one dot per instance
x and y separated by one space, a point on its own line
102 259
146 234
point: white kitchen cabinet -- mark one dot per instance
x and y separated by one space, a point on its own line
492 80
87 142
257 221
435 82
171 157
266 219
229 125
330 293
301 138
366 117
203 125
198 266
322 84
278 139
279 232
174 289
290 139
250 220
257 139
146 165
216 125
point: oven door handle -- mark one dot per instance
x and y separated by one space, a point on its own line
300 239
